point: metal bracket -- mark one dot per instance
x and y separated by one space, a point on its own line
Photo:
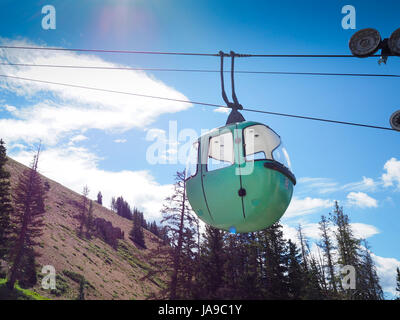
235 115
385 51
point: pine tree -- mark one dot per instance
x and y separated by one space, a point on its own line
136 233
327 246
348 249
175 253
82 284
153 228
210 267
100 198
296 281
371 289
29 209
314 280
180 223
121 207
249 281
303 246
312 271
113 205
275 256
5 202
28 277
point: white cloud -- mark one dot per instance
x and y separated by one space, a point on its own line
363 231
289 232
327 185
52 111
221 110
75 167
77 138
120 140
10 109
362 200
392 175
386 269
308 205
366 184
312 231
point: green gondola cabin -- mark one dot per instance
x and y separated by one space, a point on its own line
239 178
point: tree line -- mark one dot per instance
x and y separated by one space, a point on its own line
263 264
122 208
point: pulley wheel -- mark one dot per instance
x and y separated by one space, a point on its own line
395 120
394 42
365 42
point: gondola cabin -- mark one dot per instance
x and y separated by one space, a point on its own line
239 178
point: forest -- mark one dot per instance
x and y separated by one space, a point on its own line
217 264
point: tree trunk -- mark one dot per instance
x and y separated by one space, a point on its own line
177 258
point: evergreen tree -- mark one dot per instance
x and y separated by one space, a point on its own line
371 289
314 280
210 267
249 282
100 198
153 228
136 233
175 254
29 209
274 247
241 279
312 272
28 277
121 207
113 205
296 279
5 202
303 246
327 247
82 284
348 250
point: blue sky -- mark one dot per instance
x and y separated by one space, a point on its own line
100 140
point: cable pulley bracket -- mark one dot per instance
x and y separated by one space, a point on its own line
366 42
235 115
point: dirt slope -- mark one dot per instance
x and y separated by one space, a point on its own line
111 273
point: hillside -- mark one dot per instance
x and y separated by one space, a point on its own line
112 273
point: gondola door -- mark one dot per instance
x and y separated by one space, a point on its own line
221 183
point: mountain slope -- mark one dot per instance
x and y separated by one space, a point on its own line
112 273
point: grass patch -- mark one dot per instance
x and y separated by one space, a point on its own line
61 286
18 293
74 276
126 253
65 227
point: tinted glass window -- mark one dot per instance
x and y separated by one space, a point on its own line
191 165
220 151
